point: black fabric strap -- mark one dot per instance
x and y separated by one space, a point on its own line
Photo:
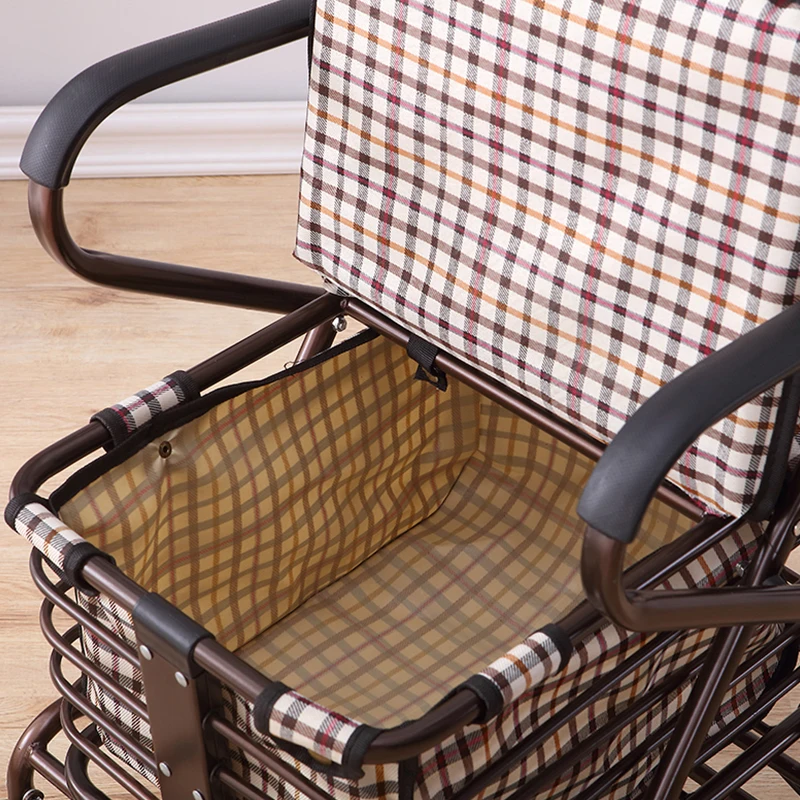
488 693
356 748
424 353
262 707
74 558
561 641
113 424
16 504
407 778
188 385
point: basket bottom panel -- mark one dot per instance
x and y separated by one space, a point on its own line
496 561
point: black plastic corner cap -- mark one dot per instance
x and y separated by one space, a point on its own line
639 458
169 632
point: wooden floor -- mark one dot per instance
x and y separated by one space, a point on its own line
69 349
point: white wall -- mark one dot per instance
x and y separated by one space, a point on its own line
43 43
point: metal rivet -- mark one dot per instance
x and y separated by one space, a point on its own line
739 569
339 324
145 651
181 678
165 770
197 795
165 449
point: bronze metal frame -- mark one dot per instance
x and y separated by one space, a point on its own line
624 597
220 665
46 208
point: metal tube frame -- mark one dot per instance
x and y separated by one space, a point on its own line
409 740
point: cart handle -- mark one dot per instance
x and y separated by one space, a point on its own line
82 104
638 459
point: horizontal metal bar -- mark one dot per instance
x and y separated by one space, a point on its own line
46 207
56 596
50 768
234 782
751 761
90 711
81 443
720 740
702 773
61 643
783 764
96 756
522 749
264 757
675 679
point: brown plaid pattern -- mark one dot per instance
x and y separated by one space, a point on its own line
581 199
297 719
498 558
46 532
526 665
274 494
140 408
456 761
332 477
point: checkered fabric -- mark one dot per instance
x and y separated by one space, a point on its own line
297 719
122 419
455 762
46 532
288 547
526 665
582 199
384 626
498 558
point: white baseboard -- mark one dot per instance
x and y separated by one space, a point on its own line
154 139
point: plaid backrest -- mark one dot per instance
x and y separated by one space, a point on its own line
582 199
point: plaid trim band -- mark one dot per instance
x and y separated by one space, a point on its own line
122 419
296 719
46 532
526 665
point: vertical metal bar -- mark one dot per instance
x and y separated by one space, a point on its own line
176 704
35 738
724 655
317 340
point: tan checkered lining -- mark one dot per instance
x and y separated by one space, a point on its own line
271 502
497 559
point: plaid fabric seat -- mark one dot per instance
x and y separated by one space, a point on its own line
583 199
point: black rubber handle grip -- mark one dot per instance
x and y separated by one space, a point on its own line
639 457
79 107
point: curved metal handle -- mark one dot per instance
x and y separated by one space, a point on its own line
154 277
70 117
82 104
